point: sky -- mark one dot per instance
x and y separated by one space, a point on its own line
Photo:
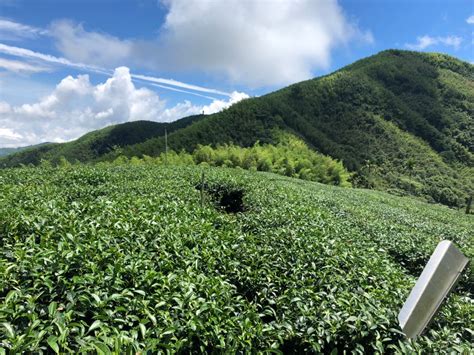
71 66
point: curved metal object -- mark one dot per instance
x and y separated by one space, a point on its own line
435 282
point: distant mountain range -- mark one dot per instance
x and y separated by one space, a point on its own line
402 121
7 151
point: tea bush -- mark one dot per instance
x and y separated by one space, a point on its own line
124 259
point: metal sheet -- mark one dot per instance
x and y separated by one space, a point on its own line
434 284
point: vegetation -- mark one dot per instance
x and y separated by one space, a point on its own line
8 151
401 121
97 143
124 258
291 157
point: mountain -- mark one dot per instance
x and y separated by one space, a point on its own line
98 143
402 121
8 151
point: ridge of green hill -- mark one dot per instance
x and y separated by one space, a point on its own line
402 121
97 143
7 151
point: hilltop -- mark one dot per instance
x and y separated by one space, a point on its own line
401 121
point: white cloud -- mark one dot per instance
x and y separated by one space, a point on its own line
89 47
255 42
453 41
76 106
4 107
186 108
251 42
26 53
470 20
179 84
219 105
8 135
184 91
11 30
20 67
424 42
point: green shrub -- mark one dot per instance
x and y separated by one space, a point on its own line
124 259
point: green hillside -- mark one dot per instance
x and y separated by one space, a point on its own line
131 259
97 143
402 121
8 151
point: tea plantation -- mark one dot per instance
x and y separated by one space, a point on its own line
126 259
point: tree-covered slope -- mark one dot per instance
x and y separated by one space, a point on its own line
8 151
402 121
97 143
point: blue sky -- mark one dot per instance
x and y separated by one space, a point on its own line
58 59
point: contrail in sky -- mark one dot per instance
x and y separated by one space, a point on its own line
180 90
26 53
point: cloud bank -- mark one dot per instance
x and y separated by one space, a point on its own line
76 106
89 47
257 43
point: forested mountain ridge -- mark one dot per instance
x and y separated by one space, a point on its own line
97 143
402 121
8 151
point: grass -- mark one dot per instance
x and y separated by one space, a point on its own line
124 259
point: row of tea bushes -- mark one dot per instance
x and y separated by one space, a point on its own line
125 259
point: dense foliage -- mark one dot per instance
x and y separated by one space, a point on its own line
125 258
8 151
290 157
96 143
402 121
